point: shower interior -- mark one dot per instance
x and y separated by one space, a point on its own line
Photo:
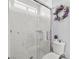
29 33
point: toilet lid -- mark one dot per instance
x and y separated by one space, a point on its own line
51 55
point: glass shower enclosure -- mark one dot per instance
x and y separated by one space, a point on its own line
29 29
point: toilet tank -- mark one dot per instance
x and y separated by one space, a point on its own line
58 47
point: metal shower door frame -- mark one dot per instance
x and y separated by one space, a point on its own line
51 21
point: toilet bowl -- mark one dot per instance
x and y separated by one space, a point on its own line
51 55
58 50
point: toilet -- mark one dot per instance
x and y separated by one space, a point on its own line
58 50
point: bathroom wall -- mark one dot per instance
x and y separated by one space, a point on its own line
62 28
23 30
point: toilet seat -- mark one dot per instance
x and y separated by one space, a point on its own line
51 55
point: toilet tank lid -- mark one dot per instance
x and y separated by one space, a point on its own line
58 42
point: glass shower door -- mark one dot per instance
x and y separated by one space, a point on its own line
29 25
42 32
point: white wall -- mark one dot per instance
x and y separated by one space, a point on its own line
62 28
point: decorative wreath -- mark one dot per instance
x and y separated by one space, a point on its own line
58 13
